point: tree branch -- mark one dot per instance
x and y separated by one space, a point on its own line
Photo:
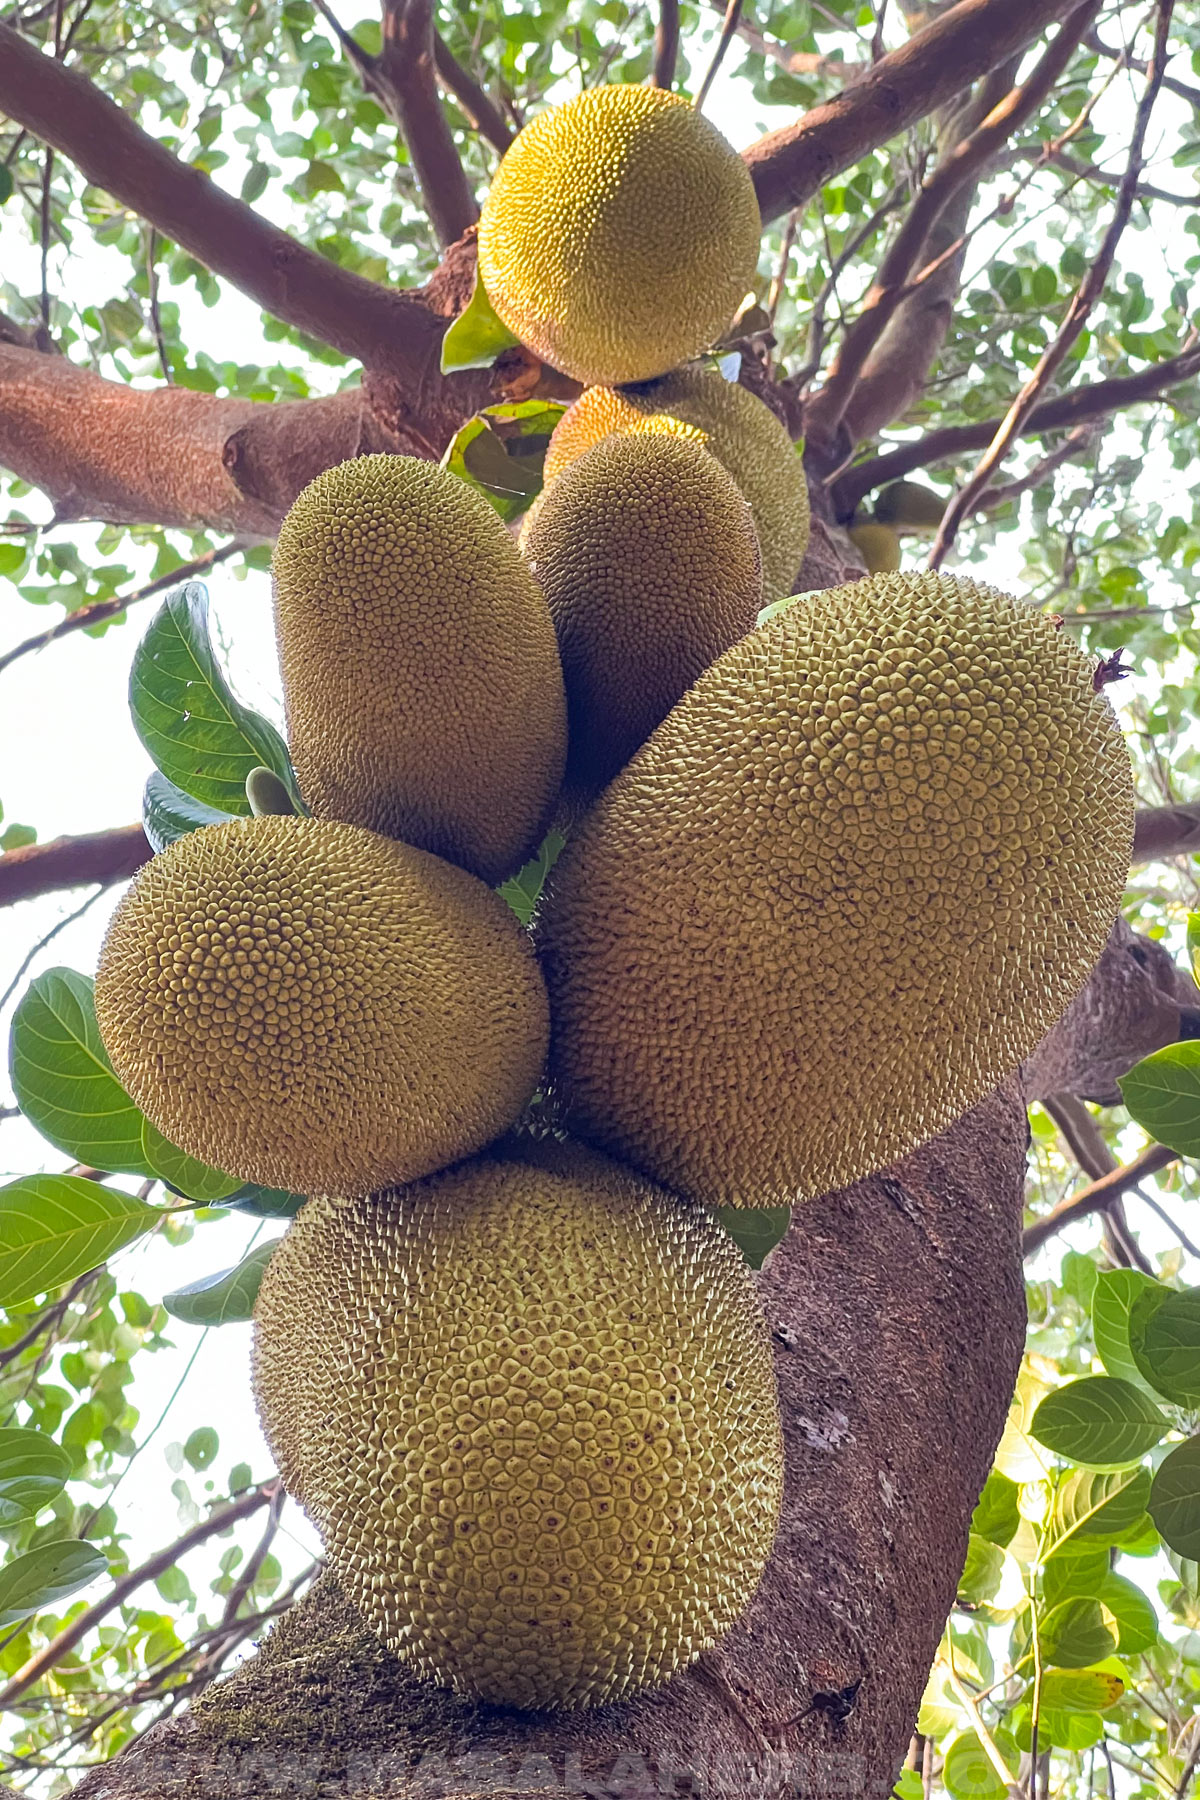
405 76
67 862
1085 297
1097 1195
480 111
297 285
966 42
666 44
150 1570
100 610
1163 831
960 166
1096 401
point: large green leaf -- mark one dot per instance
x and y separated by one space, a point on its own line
982 1571
168 813
195 1180
225 1297
64 1082
201 738
266 1203
1081 1690
46 1575
1079 1565
997 1514
1113 1297
1174 1503
33 1470
501 452
478 335
1101 1505
1100 1422
756 1229
1162 1093
54 1227
1168 1348
968 1773
1137 1621
1077 1632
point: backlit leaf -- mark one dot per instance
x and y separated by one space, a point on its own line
46 1575
1100 1422
54 1227
1162 1093
1174 1502
225 1297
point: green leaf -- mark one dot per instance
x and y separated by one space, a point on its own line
1169 1348
46 1575
501 453
997 1514
1077 1566
1100 1422
969 1775
1101 1505
266 1203
982 1571
1162 1093
1077 1632
756 1229
1081 1690
54 1227
200 737
1137 1621
6 184
18 837
33 1471
63 1080
524 889
1174 1503
202 1446
1193 939
477 337
225 1297
168 813
1188 1571
194 1180
1114 1295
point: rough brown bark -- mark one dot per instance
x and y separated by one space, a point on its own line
969 40
1162 831
897 1314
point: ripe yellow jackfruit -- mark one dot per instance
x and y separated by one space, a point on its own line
841 892
620 234
741 431
648 557
421 678
531 1408
308 1005
878 546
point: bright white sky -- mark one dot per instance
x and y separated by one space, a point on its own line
70 762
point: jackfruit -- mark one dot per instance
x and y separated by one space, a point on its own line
842 891
741 431
877 544
421 679
620 234
909 506
648 557
307 1005
530 1406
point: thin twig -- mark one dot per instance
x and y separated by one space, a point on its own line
1086 295
47 175
257 1557
100 610
46 938
155 317
1176 1230
733 13
49 1317
666 45
877 36
1097 1195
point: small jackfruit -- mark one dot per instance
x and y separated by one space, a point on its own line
620 234
842 891
421 679
530 1406
308 1005
648 557
878 546
909 506
741 431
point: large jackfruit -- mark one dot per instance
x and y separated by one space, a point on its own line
648 557
741 431
421 678
531 1408
620 234
308 1005
842 891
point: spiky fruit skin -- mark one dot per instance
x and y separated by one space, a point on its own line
531 1408
842 891
309 1005
648 557
421 678
620 234
878 546
740 430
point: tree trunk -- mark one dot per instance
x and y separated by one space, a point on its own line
897 1314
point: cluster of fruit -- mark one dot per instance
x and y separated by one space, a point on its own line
828 879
